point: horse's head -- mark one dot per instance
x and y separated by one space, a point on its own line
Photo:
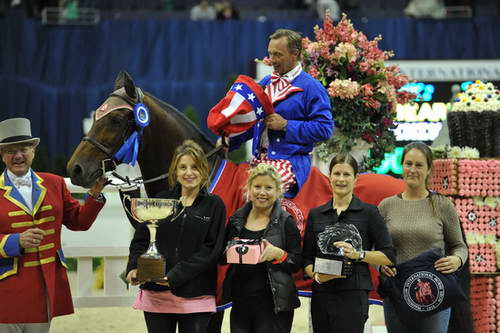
113 124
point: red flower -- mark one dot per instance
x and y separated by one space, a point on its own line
367 137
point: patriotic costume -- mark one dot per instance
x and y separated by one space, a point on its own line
304 103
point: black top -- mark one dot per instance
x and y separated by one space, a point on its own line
250 280
191 244
282 232
372 229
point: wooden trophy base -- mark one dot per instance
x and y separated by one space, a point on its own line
150 268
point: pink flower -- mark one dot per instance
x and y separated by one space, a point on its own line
313 71
364 66
267 61
367 89
373 103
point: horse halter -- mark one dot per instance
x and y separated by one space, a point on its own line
110 162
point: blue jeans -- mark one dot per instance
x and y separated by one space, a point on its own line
435 323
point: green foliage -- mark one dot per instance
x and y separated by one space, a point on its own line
192 115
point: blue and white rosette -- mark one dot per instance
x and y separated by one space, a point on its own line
129 151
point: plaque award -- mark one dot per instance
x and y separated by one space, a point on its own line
151 264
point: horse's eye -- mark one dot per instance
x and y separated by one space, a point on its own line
115 121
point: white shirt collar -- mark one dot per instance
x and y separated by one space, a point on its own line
14 178
291 75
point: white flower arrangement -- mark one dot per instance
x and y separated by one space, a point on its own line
445 151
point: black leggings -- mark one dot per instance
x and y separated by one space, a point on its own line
256 315
167 322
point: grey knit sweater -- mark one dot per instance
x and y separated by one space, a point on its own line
415 228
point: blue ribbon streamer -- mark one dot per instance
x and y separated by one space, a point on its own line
129 150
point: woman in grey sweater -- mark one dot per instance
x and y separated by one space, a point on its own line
419 220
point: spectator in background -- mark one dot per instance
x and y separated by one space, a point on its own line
331 5
426 8
203 11
226 11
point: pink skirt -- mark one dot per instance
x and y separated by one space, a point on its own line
166 302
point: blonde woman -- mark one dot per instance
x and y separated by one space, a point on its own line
191 244
264 295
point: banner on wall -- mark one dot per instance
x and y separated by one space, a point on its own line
449 70
434 70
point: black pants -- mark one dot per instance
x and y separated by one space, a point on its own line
167 322
215 324
344 311
256 315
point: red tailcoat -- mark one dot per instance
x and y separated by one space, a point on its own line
33 282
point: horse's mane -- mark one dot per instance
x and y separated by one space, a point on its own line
181 117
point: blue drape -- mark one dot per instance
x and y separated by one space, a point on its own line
55 75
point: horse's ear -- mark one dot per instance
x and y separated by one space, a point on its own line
124 80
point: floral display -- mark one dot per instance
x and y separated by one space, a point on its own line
363 91
445 151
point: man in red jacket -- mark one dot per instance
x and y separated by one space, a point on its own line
34 286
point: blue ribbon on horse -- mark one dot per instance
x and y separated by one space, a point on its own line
129 151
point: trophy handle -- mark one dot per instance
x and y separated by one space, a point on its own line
127 197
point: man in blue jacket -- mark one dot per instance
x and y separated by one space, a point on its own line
303 113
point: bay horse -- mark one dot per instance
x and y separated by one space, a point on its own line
167 129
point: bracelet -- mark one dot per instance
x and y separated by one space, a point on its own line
315 277
282 259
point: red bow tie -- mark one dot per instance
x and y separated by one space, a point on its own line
279 81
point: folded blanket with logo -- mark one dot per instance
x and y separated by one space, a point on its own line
419 290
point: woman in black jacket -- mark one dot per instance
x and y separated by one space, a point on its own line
264 295
344 228
191 243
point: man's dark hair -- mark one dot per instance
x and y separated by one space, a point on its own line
294 39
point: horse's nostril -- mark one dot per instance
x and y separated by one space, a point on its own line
77 171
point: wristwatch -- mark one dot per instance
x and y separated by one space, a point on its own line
362 255
100 198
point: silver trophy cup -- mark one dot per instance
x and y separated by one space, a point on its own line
151 265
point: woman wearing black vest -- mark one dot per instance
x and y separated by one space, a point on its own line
264 295
352 230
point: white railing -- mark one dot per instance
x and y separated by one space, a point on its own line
108 238
115 292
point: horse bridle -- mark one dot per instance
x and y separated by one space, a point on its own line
110 162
